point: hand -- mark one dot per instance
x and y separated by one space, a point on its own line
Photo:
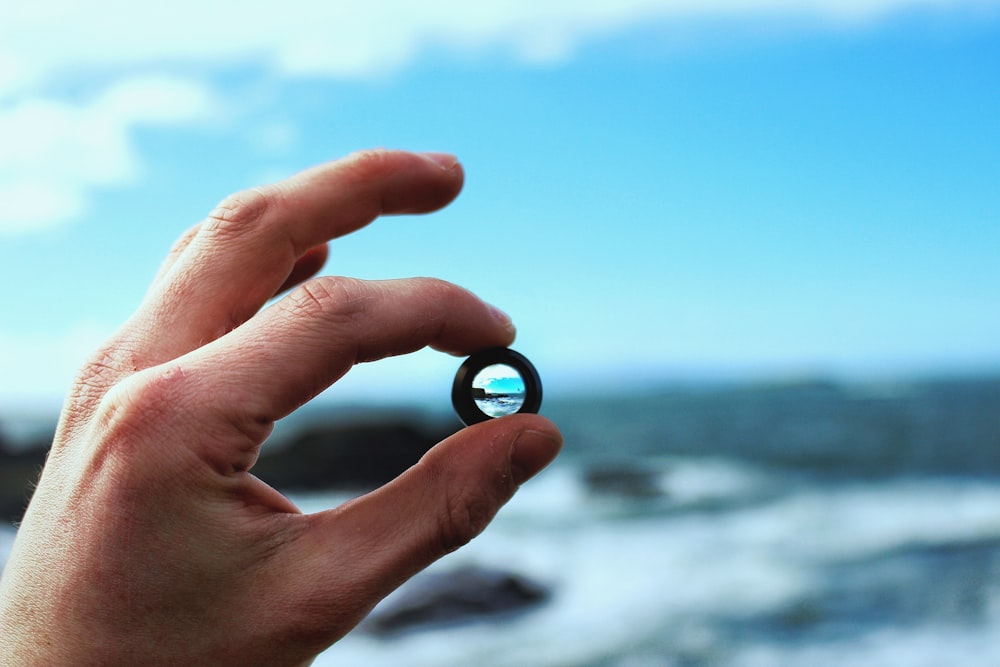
148 541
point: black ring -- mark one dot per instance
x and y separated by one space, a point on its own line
462 395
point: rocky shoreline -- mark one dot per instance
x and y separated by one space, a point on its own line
342 454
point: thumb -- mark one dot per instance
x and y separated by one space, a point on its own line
351 557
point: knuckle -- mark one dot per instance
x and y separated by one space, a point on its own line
340 298
181 244
440 287
367 161
442 291
101 371
361 170
238 211
128 408
465 517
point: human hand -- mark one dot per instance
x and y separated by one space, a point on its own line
148 541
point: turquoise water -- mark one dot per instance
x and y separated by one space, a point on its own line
806 524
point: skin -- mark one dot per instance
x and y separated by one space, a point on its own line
148 540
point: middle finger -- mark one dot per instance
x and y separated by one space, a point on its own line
249 247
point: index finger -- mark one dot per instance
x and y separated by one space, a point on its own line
244 252
295 349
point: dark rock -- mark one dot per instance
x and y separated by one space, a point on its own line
465 595
349 455
346 455
624 480
19 471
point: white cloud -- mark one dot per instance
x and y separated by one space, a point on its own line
46 38
53 152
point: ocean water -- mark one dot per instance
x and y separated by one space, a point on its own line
500 406
807 524
899 573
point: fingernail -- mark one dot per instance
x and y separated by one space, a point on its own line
446 161
504 320
532 451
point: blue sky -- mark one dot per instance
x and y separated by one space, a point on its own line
653 189
499 378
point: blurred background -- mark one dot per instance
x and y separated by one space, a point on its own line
751 247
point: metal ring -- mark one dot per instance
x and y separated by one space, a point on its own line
499 395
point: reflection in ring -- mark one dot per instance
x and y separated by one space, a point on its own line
498 390
495 382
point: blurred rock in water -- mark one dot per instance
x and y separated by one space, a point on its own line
631 481
465 595
928 426
19 469
342 454
347 455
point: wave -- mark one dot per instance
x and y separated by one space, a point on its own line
814 524
697 588
932 427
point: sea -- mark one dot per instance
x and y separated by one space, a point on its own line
806 523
